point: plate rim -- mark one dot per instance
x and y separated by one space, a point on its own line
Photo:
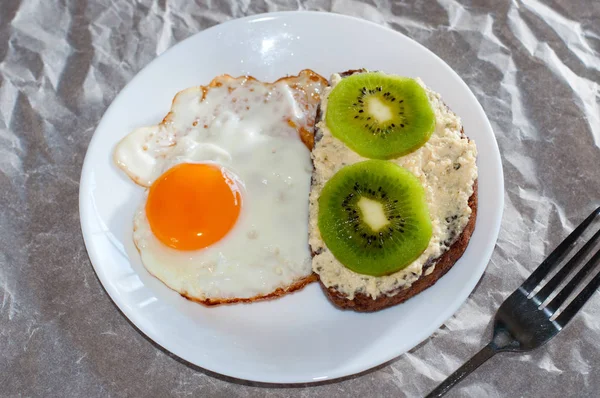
443 315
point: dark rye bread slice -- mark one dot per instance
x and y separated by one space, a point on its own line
365 303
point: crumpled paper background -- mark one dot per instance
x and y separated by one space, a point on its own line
533 65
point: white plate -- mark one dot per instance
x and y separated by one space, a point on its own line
300 337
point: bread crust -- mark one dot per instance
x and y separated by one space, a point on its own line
365 303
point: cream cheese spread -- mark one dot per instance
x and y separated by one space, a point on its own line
446 168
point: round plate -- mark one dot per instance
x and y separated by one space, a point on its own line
300 337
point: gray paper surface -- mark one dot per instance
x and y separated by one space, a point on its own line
533 65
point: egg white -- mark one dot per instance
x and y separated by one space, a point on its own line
250 129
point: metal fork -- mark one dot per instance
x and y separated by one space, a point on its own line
524 321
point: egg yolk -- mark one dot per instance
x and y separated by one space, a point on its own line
192 206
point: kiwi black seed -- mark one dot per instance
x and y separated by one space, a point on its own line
380 116
373 217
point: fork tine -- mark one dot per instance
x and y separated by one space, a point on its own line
554 258
566 270
567 290
579 301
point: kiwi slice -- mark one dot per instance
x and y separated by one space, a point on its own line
380 116
374 218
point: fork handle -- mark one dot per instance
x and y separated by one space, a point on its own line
486 353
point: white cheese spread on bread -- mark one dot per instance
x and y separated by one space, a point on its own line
446 167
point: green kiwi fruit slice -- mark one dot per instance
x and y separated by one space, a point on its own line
380 116
374 218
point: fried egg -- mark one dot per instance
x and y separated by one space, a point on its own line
228 171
